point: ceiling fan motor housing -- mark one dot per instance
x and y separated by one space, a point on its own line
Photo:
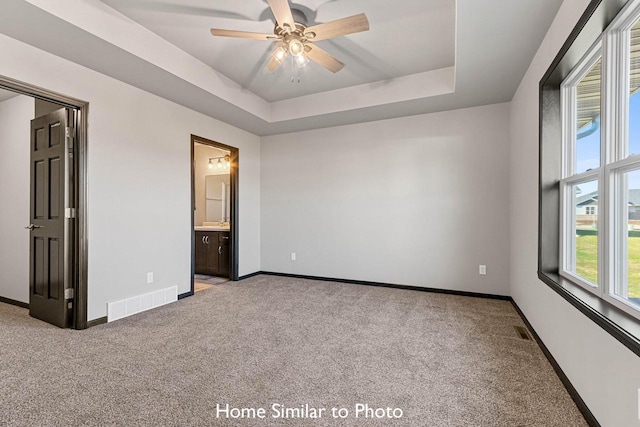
294 39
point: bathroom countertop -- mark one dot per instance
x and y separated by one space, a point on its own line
211 228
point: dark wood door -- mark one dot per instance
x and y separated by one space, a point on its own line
49 184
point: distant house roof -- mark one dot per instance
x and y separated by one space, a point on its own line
592 198
588 199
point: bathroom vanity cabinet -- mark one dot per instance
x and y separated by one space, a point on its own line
212 253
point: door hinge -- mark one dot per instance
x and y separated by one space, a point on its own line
69 213
68 293
70 133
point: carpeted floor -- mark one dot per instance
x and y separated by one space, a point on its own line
443 360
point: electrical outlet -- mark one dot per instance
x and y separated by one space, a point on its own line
293 256
482 270
150 277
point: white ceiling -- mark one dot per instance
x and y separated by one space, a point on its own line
407 37
415 59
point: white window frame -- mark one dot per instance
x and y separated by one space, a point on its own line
569 178
613 48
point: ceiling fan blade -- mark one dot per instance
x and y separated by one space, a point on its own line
323 58
242 34
337 28
282 12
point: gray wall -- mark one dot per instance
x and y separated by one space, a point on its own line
15 118
417 201
139 172
605 373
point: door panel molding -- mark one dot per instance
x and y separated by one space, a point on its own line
78 232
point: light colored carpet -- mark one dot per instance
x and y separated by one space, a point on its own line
444 360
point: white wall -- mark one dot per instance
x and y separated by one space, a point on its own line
15 118
418 201
604 372
139 197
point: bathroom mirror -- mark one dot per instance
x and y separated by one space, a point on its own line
217 206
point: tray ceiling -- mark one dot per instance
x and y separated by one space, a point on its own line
408 37
420 56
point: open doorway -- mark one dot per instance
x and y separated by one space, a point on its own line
43 257
214 203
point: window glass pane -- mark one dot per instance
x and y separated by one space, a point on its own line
634 88
629 287
585 248
587 153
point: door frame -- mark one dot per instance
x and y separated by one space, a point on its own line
234 171
79 242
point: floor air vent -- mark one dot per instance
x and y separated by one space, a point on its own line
136 304
522 333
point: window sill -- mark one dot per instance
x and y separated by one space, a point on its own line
622 326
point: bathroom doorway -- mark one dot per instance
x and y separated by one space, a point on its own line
214 203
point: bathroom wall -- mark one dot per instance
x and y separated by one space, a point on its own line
202 154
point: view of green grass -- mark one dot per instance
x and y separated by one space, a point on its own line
587 257
587 260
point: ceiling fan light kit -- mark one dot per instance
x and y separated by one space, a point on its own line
294 38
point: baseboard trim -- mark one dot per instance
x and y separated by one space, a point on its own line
96 322
582 406
248 276
186 294
390 285
14 302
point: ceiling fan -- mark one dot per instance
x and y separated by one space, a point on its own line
295 38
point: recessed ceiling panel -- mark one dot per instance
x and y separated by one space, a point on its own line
405 38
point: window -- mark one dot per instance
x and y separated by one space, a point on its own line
589 170
600 182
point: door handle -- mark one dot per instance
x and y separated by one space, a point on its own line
203 242
32 226
207 239
225 237
219 250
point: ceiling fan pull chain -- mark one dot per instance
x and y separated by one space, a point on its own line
293 66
